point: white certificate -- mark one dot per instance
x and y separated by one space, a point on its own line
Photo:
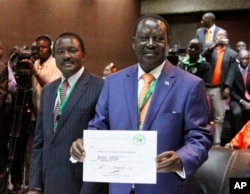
120 156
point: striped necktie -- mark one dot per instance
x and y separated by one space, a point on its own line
144 100
63 93
247 95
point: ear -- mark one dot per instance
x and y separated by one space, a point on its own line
83 56
133 43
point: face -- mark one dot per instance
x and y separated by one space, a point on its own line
194 49
150 43
241 46
69 55
106 71
206 21
221 34
243 58
44 49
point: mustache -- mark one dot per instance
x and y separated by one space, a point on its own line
150 51
67 61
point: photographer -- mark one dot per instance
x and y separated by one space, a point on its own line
43 70
221 57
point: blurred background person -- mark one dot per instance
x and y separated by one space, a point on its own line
240 91
207 33
33 70
108 69
3 127
221 57
194 63
241 46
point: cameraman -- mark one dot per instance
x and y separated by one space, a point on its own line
43 71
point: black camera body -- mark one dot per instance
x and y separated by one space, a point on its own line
25 53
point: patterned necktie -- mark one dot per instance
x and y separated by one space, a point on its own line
247 95
209 36
144 99
65 86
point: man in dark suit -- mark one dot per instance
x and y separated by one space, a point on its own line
208 29
60 121
221 57
4 131
240 101
179 114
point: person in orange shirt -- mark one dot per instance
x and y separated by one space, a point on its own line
241 140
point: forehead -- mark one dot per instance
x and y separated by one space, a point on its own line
221 32
244 54
151 23
67 41
241 44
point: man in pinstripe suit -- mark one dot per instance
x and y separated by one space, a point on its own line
51 171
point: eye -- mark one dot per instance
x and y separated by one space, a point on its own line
59 51
72 51
143 38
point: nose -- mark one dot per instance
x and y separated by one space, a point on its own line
66 54
150 42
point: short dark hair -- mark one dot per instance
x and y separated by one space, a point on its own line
44 37
154 16
71 34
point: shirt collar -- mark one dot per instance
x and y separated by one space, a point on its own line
73 79
155 72
241 69
212 28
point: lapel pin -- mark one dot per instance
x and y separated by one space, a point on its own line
167 83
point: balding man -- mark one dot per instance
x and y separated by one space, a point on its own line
207 33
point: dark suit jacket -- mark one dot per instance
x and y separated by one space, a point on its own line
228 60
178 112
3 83
238 87
201 35
50 168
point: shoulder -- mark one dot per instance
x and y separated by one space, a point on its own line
199 30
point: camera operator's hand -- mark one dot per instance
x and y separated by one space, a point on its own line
31 65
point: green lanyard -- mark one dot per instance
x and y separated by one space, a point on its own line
146 97
62 104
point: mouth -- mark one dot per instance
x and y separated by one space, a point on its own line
67 63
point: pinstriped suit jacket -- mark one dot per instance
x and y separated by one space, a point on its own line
51 169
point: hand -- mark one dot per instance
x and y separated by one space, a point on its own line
168 161
34 192
31 65
77 151
226 93
228 145
246 106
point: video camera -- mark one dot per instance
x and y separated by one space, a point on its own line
20 67
25 53
174 53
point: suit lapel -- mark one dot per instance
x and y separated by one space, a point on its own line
131 95
76 94
164 85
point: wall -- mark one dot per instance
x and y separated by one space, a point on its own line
183 26
105 25
188 6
